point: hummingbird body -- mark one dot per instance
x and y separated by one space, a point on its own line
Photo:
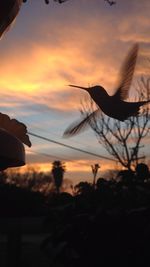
113 106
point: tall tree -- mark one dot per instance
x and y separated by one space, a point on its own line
58 170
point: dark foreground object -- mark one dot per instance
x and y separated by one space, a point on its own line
106 226
109 226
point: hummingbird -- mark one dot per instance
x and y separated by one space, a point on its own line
113 106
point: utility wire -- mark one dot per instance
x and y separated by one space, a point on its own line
47 155
71 147
55 134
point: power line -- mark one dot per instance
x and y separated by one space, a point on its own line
55 134
71 147
47 155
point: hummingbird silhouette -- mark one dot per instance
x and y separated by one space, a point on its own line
113 106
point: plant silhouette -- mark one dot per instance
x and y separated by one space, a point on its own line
16 128
58 169
142 172
13 134
95 168
9 9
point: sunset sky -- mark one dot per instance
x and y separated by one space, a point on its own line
79 42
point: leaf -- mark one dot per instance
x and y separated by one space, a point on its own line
16 128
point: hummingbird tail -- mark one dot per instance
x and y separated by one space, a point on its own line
137 109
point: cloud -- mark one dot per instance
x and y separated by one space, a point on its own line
76 49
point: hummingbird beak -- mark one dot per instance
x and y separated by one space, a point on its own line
84 88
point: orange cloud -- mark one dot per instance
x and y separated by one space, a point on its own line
82 55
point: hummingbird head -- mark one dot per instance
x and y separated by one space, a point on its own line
97 93
94 91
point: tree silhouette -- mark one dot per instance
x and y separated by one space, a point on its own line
58 169
142 172
95 168
83 188
123 140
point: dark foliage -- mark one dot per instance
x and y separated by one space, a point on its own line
103 227
16 202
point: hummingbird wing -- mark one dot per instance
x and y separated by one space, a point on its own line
127 72
8 13
80 125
